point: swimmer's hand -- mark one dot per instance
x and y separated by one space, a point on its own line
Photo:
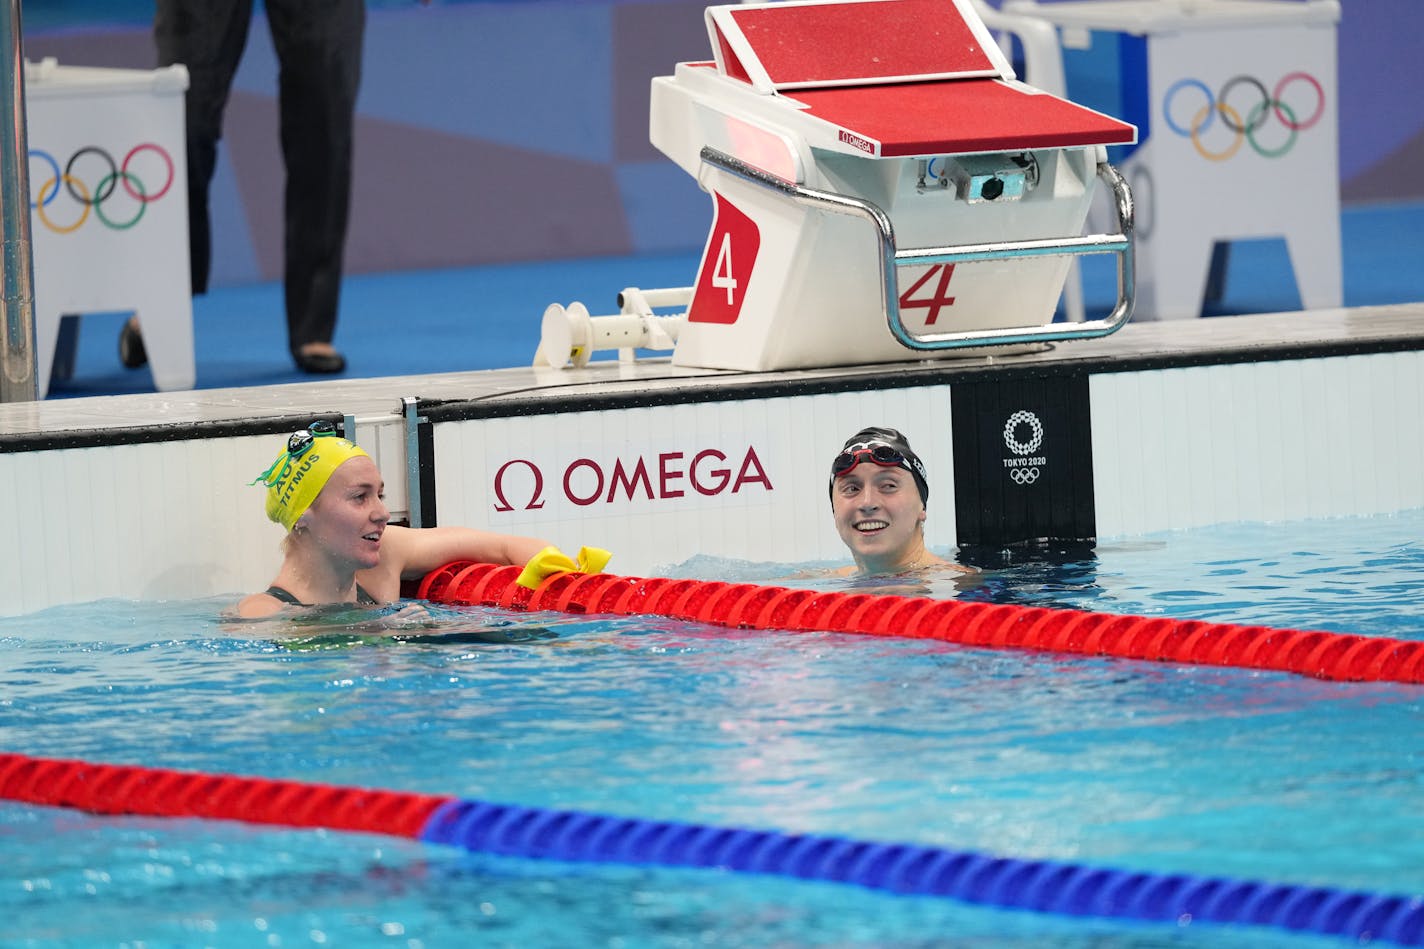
369 620
339 624
552 560
413 615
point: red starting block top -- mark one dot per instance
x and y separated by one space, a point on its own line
897 78
793 45
957 117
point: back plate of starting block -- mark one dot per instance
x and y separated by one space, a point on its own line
780 46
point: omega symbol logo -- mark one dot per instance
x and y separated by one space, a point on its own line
1025 468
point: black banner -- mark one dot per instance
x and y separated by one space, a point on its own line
1023 462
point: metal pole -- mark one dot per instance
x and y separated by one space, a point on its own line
18 377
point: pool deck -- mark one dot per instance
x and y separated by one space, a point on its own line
161 416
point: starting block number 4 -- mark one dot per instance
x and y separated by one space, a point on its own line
934 302
726 268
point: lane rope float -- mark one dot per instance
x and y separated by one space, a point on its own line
1046 886
1323 655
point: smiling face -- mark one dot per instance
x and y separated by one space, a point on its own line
878 513
349 516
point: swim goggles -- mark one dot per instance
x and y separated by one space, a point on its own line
298 443
878 453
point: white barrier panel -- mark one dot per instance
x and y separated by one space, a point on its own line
166 520
109 221
1270 441
746 480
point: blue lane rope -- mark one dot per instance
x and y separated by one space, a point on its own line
1044 886
1039 885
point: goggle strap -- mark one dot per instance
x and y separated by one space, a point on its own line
306 437
269 477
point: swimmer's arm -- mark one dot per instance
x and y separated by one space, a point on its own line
413 553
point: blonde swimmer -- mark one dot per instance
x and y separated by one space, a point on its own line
340 546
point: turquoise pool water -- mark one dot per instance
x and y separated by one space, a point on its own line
1140 766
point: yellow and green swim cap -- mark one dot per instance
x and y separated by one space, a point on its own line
295 479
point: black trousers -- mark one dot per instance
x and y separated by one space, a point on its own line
318 44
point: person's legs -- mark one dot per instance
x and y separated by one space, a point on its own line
318 45
206 36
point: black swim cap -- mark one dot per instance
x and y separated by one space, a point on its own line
890 438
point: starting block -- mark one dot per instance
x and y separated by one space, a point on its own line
883 188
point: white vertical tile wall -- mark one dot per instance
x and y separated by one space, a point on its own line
1272 487
1267 441
1400 417
33 539
12 579
60 517
144 521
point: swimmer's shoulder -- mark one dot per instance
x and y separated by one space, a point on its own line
821 573
258 606
940 565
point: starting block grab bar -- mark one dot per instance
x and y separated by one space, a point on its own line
892 258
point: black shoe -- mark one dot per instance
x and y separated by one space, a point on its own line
131 351
320 363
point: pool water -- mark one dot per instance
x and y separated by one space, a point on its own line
1139 766
1348 575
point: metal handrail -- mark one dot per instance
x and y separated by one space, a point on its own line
891 259
18 376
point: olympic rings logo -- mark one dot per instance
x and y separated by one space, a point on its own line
1024 475
1035 433
1267 105
105 188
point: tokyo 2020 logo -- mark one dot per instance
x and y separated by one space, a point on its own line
1025 468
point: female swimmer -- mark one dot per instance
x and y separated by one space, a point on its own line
878 495
340 545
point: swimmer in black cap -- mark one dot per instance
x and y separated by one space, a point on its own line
879 490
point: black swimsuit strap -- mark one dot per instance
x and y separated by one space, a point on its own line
362 597
281 594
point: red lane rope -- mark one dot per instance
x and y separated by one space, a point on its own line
158 792
1044 886
1324 655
